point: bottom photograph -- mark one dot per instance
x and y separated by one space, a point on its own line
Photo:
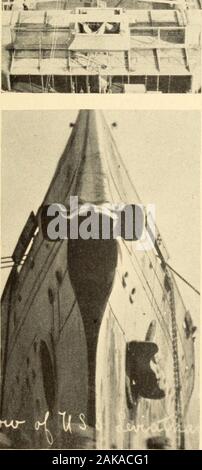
100 279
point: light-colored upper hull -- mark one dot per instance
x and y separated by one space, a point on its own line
48 362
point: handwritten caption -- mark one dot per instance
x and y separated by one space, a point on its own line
165 424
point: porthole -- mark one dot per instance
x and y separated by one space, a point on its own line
59 277
124 279
32 264
50 296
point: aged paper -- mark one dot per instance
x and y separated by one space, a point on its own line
100 338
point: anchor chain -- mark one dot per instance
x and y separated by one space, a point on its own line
180 441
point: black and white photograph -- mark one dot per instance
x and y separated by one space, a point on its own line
97 46
100 278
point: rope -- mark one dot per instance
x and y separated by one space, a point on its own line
139 200
53 48
157 310
153 287
11 265
183 279
8 262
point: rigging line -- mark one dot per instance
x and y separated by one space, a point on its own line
149 300
68 316
75 176
176 370
122 330
153 287
164 322
34 254
163 289
53 48
9 258
107 159
122 189
183 279
162 326
182 345
166 332
159 318
10 261
121 161
113 180
11 266
169 346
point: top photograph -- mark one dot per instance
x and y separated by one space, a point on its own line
95 46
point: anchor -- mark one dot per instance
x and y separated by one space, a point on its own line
141 378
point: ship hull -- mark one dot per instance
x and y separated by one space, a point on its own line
47 368
97 345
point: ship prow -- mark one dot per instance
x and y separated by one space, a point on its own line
88 338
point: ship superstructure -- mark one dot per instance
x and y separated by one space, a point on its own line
113 47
